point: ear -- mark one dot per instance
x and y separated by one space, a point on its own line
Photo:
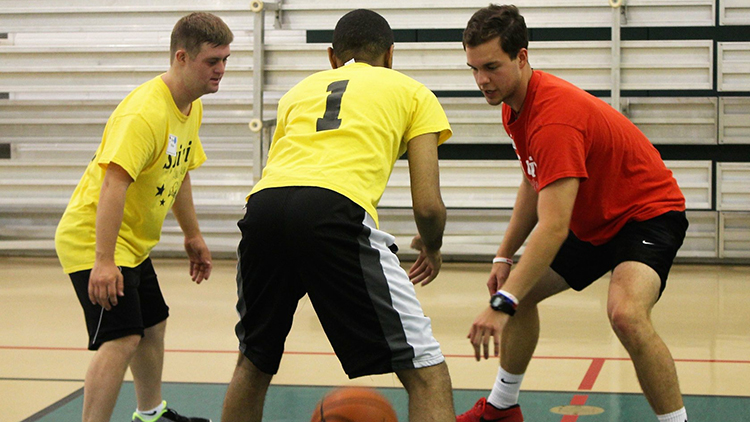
523 58
332 59
389 57
180 56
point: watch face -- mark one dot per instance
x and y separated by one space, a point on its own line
496 302
501 303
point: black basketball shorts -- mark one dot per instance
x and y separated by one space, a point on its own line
309 240
143 305
653 242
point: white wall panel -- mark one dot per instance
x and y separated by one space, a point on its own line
472 191
733 187
667 64
85 6
702 237
670 12
733 65
585 64
29 224
538 13
60 135
25 194
464 184
734 12
734 235
71 130
67 64
476 234
31 172
663 120
81 58
674 120
474 121
96 80
469 234
129 39
98 111
695 181
494 183
734 120
78 150
307 14
683 121
105 18
440 66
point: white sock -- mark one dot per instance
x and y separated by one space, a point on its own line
677 416
148 414
506 389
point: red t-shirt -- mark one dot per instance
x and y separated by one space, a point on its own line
563 131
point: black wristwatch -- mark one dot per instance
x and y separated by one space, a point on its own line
500 302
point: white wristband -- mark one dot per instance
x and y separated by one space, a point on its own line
508 295
497 259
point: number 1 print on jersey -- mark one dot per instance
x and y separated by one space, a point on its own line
330 118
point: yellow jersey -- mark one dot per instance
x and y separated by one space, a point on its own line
343 129
157 145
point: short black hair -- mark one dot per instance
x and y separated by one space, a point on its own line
503 22
361 34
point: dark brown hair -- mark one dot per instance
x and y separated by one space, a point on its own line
494 21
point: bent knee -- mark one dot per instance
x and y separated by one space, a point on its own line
431 377
125 345
628 323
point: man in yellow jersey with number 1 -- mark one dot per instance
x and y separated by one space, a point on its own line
311 226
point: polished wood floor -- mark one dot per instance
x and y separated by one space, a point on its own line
703 316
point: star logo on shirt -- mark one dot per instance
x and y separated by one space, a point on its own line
160 190
162 202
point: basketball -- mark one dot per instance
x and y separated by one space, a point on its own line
354 404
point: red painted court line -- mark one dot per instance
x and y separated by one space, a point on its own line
743 362
591 358
588 380
586 385
578 400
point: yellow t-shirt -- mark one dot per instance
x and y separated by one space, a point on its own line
156 144
343 129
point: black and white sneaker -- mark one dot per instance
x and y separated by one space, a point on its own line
167 415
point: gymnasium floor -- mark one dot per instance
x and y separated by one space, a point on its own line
580 371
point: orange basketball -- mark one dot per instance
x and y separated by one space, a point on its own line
354 404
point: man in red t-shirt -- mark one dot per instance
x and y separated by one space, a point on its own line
599 198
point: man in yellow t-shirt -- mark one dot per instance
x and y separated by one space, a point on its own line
311 226
114 219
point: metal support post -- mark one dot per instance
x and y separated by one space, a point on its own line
257 124
618 8
618 11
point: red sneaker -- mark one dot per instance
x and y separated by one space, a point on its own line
485 412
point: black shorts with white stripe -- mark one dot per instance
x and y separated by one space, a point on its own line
309 240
